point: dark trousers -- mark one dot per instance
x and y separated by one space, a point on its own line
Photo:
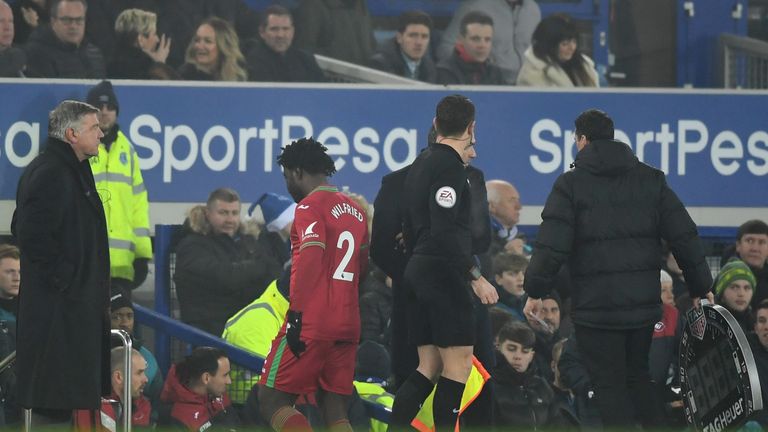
617 362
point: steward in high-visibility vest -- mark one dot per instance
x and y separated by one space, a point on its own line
424 422
374 393
123 194
253 328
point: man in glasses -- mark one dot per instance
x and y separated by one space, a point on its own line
61 50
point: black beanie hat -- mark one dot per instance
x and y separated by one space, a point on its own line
102 94
372 361
119 300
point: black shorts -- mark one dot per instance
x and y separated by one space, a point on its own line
440 307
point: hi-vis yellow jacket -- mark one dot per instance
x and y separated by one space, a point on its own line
253 328
424 422
124 196
374 393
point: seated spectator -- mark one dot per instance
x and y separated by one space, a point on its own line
139 53
122 317
112 410
196 392
523 397
60 50
372 372
277 211
545 323
508 276
214 54
572 374
515 21
554 59
407 54
253 328
663 356
752 248
376 307
13 60
733 288
758 341
274 58
10 278
28 15
339 29
469 63
219 268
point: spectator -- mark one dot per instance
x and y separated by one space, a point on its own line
274 58
734 288
758 341
214 54
59 223
515 22
523 397
112 410
277 211
253 328
572 374
752 248
499 317
10 279
10 276
555 60
219 268
13 60
139 53
504 207
28 15
545 323
407 54
118 179
376 307
469 63
122 317
60 50
372 372
341 29
196 390
508 275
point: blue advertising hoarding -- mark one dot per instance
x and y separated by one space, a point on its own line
190 139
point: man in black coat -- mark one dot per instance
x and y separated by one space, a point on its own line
606 218
63 322
470 61
60 50
407 54
274 58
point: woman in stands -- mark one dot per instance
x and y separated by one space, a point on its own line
139 52
214 54
554 58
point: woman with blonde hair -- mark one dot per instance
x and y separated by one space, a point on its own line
139 52
554 58
214 53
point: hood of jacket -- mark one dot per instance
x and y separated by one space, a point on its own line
176 392
607 158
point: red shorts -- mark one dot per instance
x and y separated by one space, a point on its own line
329 365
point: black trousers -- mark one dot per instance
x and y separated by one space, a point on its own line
617 362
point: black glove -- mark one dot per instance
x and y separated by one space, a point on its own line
293 333
140 270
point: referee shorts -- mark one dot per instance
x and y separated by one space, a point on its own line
440 307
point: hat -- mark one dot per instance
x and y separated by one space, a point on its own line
372 361
664 276
102 94
119 300
732 271
277 210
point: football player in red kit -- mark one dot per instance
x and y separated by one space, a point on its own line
315 349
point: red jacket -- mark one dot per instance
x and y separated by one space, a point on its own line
196 412
107 418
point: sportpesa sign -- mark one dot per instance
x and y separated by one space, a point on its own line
718 376
191 139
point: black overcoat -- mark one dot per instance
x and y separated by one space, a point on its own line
63 322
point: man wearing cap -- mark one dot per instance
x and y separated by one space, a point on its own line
277 211
121 188
122 317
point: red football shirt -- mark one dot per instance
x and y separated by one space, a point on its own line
329 246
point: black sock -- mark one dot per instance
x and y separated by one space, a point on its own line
447 403
408 400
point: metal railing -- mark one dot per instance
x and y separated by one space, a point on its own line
345 72
743 62
125 338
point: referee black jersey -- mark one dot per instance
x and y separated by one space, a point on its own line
437 202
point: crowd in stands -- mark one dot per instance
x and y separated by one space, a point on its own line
487 42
